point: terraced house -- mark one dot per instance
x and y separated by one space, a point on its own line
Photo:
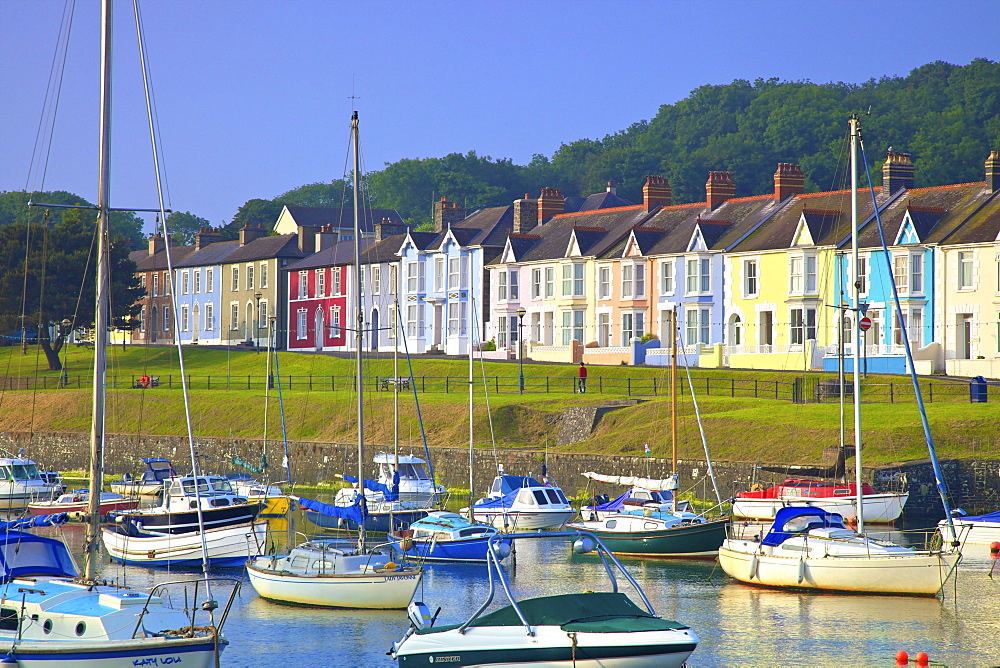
156 323
198 289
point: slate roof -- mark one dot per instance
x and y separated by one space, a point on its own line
213 253
605 200
158 261
385 250
554 236
340 253
265 248
962 213
485 227
341 217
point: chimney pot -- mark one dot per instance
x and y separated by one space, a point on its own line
993 171
446 213
788 180
897 172
719 188
550 203
656 192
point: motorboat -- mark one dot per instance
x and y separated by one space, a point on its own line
445 536
333 573
78 501
21 483
150 482
214 499
810 548
221 547
584 629
414 483
522 503
276 502
832 496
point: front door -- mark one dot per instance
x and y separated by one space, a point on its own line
374 334
319 329
964 328
437 324
154 325
196 324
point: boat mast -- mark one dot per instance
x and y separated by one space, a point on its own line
471 330
358 326
101 314
856 306
673 396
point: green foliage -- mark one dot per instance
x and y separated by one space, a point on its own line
14 209
184 226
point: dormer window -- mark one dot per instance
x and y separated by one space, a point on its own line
802 275
698 275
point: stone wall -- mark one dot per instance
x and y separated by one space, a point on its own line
973 484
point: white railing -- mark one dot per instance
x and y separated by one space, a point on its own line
549 349
694 349
878 350
608 350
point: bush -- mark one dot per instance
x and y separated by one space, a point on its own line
646 338
490 345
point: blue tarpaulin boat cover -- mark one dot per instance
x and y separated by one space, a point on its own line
619 503
353 512
30 522
504 501
811 518
512 483
25 555
988 517
390 494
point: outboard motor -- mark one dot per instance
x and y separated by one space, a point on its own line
419 614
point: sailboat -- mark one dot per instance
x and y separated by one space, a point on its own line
62 617
328 573
648 520
811 548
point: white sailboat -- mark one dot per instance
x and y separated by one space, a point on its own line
328 573
810 548
62 617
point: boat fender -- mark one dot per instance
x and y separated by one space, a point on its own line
389 566
802 570
406 544
753 565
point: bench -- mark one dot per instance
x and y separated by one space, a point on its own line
397 383
154 381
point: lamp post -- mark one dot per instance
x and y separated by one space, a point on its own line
520 349
66 324
256 336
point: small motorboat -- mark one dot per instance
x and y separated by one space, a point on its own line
414 482
276 502
150 483
21 483
583 629
78 501
446 536
522 503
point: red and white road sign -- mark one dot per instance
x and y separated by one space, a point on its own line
865 323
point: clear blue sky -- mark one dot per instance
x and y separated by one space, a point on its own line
253 95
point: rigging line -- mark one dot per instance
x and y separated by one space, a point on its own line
486 387
38 327
153 116
54 83
701 428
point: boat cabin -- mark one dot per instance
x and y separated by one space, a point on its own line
326 557
212 491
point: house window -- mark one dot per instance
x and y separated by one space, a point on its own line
464 264
234 323
916 329
263 274
862 275
640 281
376 279
810 262
321 282
964 270
411 320
439 274
303 284
166 319
550 282
464 317
749 278
536 283
142 281
411 277
627 287
142 319
185 279
604 283
197 281
698 278
802 325
236 279
917 274
301 328
513 284
209 317
697 324
567 280
335 322
502 285
185 322
578 270
335 281
603 329
795 277
572 326
502 332
452 318
453 273
901 274
156 284
667 277
393 275
897 329
250 277
209 280
262 315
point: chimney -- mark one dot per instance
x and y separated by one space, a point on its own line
897 172
550 203
611 188
446 213
993 171
248 234
156 244
387 228
788 180
719 188
205 236
307 238
656 192
525 214
326 237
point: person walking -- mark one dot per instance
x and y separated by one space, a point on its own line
581 381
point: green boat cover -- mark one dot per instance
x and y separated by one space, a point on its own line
588 612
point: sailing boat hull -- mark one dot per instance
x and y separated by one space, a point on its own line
375 522
691 541
877 508
227 546
917 574
389 590
189 652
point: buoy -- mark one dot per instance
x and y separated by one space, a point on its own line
921 658
995 550
902 658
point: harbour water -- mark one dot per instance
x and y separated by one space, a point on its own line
738 625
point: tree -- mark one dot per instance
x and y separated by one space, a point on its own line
184 226
61 271
14 209
255 212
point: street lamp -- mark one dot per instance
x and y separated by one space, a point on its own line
66 324
256 336
520 349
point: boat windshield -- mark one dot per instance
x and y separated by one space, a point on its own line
19 472
208 485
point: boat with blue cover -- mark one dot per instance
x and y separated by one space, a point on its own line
445 536
150 482
522 503
586 630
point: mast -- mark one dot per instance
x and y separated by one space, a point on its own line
856 306
673 392
101 314
358 325
471 329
